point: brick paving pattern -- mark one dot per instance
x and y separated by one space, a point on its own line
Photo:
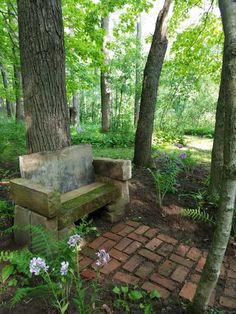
141 255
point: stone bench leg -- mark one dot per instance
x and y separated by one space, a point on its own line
115 210
24 218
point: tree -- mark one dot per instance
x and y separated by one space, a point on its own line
43 74
137 69
152 71
221 235
105 88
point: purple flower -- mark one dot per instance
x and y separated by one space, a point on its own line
183 155
74 240
103 258
80 130
179 145
37 264
64 268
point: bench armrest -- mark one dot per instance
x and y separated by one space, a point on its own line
117 169
36 197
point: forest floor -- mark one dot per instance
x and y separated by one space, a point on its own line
144 211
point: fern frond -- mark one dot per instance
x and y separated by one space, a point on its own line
21 293
198 214
6 256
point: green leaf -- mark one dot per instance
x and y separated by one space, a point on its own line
116 290
155 294
12 282
64 308
135 295
124 289
148 309
7 271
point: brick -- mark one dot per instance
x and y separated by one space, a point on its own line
228 302
180 273
126 230
153 244
148 286
166 283
132 247
180 260
85 262
122 257
231 274
142 229
144 270
137 237
117 228
112 236
195 278
107 245
133 263
151 233
132 223
150 255
182 250
89 252
110 267
167 239
90 274
123 244
188 291
194 254
97 242
201 264
167 268
165 249
230 288
126 278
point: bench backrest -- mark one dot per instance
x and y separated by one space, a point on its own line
64 170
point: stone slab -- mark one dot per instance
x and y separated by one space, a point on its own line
118 169
63 170
35 197
22 217
77 207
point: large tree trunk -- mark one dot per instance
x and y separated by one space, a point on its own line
105 88
137 71
43 74
216 253
218 143
5 86
152 71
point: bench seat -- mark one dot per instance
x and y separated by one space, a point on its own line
84 200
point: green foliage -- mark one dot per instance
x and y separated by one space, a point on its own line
96 138
12 139
165 175
85 227
6 210
204 131
199 215
125 297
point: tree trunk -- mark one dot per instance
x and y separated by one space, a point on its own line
105 88
19 100
137 74
152 71
74 110
5 86
42 55
216 253
218 143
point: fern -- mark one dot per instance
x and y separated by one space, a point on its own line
198 214
21 293
6 256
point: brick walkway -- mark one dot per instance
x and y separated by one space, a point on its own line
142 255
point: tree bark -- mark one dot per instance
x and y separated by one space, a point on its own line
221 235
42 55
152 71
218 143
74 110
5 86
137 74
105 88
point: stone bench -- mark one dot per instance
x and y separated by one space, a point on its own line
58 188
